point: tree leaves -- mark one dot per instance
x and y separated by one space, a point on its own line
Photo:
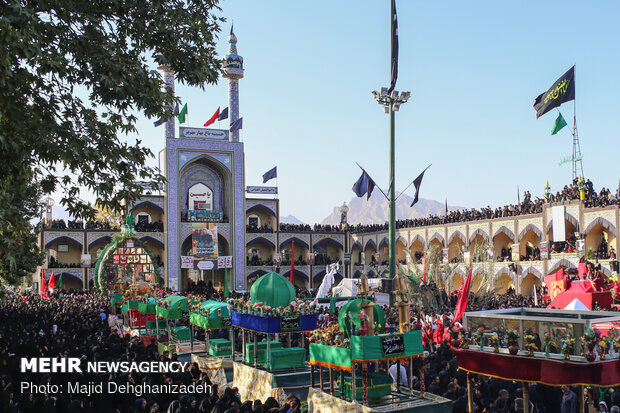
52 139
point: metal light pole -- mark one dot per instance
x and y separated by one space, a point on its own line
391 103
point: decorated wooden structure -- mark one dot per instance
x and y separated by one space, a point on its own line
147 315
273 309
361 322
212 315
126 263
172 308
574 361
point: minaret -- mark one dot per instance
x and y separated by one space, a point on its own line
169 82
233 71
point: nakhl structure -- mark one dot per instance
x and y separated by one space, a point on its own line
565 334
173 308
360 343
126 264
212 315
266 366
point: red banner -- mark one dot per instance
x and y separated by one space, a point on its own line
539 369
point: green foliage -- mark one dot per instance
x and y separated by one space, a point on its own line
20 205
51 139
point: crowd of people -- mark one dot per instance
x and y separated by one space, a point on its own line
53 263
524 207
145 226
75 324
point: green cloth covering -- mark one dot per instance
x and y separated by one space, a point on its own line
330 355
177 304
116 299
287 358
379 385
353 308
150 325
260 352
369 348
220 347
216 308
216 311
148 307
273 290
129 305
180 333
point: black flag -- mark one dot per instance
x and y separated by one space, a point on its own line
364 185
270 174
416 183
394 52
562 91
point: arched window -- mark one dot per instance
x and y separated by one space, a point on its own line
253 222
200 198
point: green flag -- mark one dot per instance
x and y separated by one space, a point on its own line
226 282
559 124
183 114
59 282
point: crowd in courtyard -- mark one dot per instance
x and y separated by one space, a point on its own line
76 325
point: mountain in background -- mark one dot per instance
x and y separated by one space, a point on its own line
290 219
375 210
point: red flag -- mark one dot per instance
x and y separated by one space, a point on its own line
43 285
213 118
52 283
424 270
461 304
292 276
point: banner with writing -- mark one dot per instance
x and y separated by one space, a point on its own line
203 133
392 345
290 323
261 189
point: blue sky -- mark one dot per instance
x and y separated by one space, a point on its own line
474 69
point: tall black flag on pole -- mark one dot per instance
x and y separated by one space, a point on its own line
394 48
270 174
364 185
562 91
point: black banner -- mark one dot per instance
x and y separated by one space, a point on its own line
562 91
392 345
290 323
226 322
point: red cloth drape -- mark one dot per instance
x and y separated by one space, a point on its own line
424 270
52 283
43 285
292 276
539 369
461 304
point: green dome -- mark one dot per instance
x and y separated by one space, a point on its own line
353 308
273 290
